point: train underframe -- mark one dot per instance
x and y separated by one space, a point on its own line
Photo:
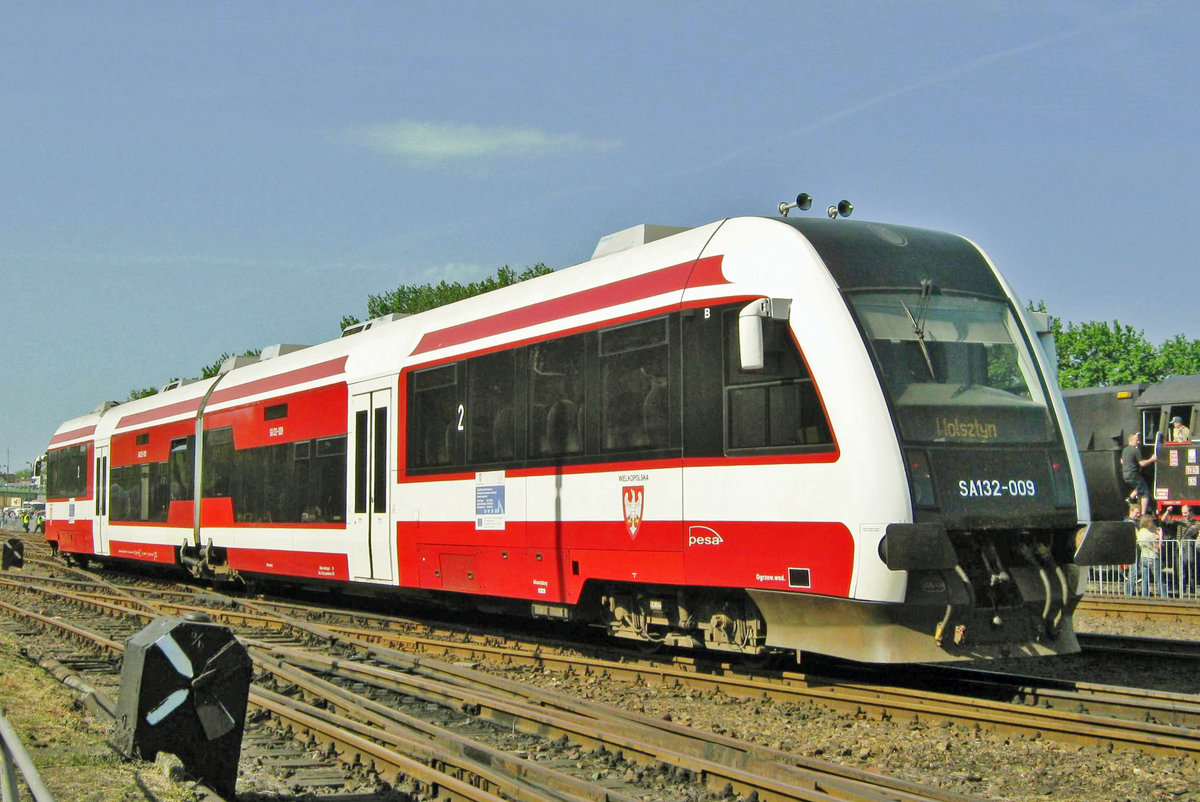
1006 594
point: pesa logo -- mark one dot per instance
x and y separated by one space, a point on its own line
710 539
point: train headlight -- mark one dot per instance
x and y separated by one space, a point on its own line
1064 488
920 481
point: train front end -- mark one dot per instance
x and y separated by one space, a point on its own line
991 546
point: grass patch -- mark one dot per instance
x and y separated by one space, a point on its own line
66 745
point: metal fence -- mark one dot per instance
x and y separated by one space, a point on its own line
1169 574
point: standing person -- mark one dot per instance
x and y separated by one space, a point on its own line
1179 432
1187 531
1131 469
1149 537
1131 570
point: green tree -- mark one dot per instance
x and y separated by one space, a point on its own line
413 298
212 369
142 393
1098 354
1180 356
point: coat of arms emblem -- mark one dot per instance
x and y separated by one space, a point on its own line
631 500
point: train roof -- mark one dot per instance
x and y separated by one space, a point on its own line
641 268
1172 390
866 255
1134 390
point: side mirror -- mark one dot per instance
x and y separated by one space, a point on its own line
750 331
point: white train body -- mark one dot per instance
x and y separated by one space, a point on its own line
588 445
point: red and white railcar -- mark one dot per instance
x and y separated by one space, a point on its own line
758 434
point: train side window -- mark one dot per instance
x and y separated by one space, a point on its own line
300 482
67 472
777 407
556 397
634 404
217 471
182 467
1150 418
1181 411
489 408
129 492
362 455
781 360
326 482
435 417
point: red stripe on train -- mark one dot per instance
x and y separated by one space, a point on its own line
700 273
74 434
322 370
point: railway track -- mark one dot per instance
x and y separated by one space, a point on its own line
1150 610
1091 713
1072 712
373 710
1153 722
1094 714
1139 645
284 634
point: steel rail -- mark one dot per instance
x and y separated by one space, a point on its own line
1138 645
1133 704
506 702
450 786
761 778
1068 725
434 744
1158 610
1108 706
359 746
717 767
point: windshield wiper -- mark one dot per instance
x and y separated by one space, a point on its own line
918 322
923 307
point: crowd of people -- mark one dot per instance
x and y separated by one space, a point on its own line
1165 566
29 520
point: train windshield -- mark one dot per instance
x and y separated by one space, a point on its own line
956 366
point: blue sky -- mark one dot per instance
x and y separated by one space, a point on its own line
185 179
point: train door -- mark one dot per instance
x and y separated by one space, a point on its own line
100 494
370 531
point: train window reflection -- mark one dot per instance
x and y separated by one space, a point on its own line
776 407
491 435
67 472
943 357
633 386
556 397
433 417
300 482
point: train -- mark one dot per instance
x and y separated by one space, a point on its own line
776 434
1103 419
